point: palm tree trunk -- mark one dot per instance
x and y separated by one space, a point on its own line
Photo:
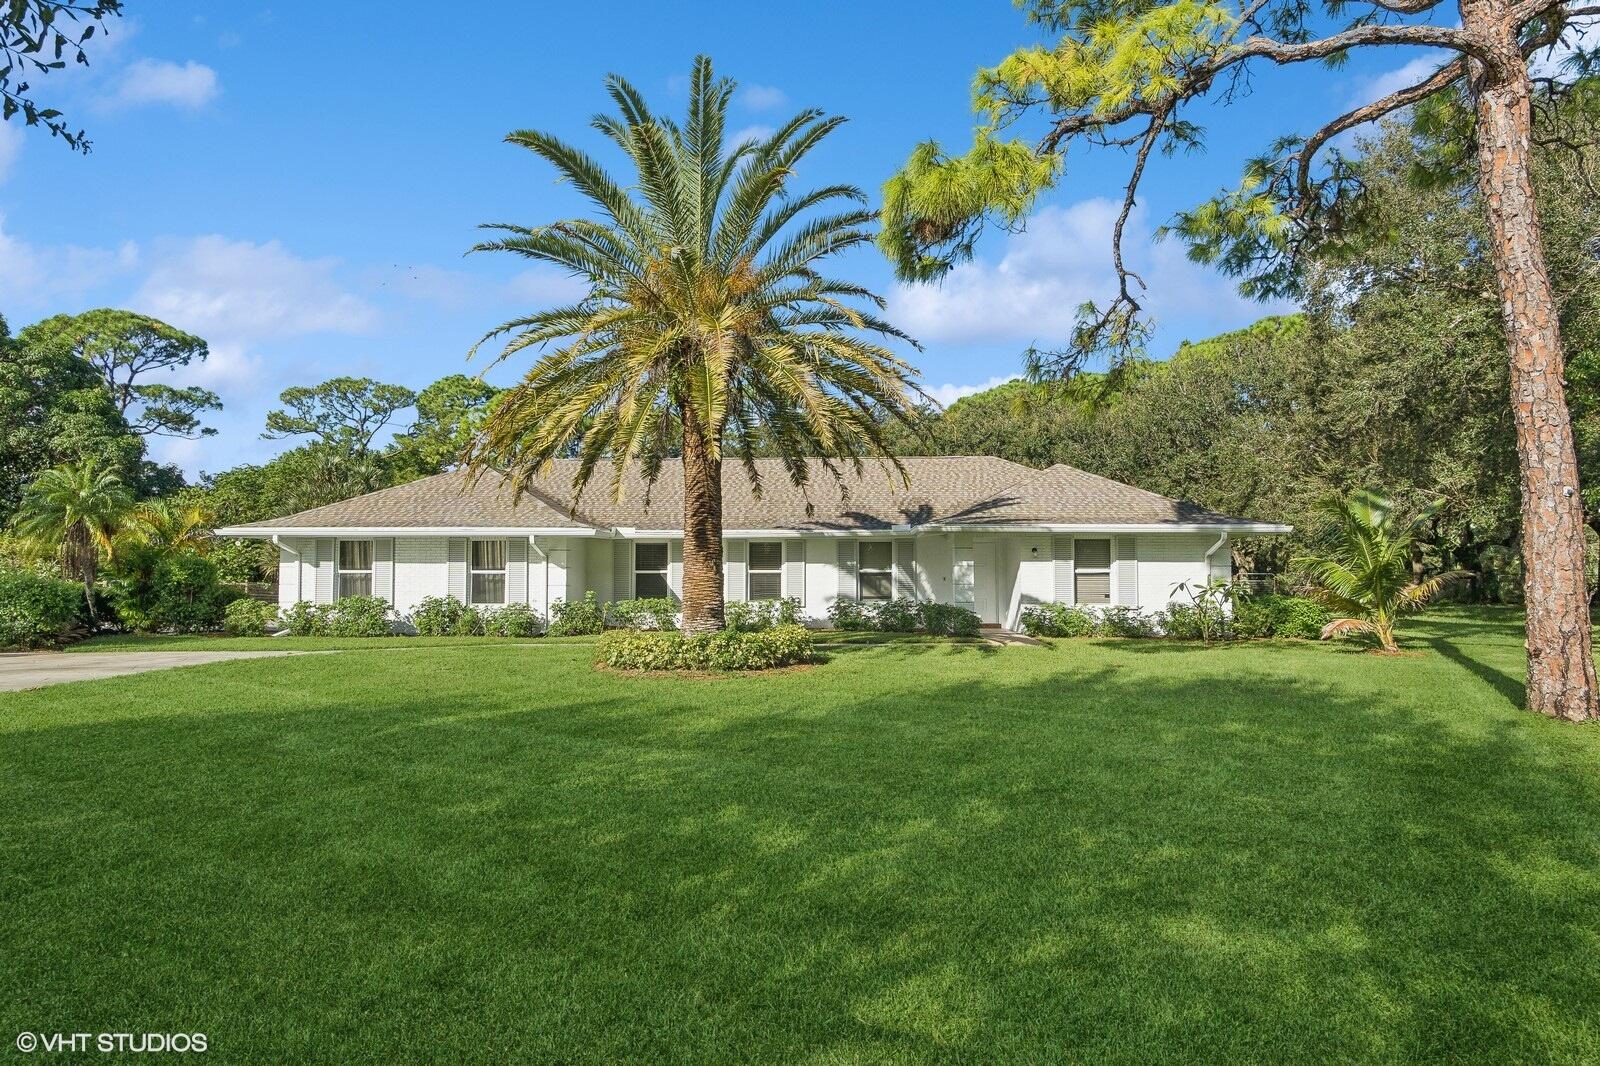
1561 673
81 560
702 531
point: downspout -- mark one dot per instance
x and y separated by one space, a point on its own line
1222 538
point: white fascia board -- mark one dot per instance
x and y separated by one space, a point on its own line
267 533
1116 527
766 534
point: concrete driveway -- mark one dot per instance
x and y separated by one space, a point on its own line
36 669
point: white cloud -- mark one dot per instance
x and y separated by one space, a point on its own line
245 291
949 393
10 147
761 97
750 133
35 277
1381 85
1061 260
151 81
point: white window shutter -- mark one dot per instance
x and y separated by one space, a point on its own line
517 570
1061 552
456 569
622 569
905 557
794 569
847 569
1125 578
675 569
735 573
383 569
327 559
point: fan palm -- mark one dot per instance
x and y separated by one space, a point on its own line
1360 567
75 511
706 327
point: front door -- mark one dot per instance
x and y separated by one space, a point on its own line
983 562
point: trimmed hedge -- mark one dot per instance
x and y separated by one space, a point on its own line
648 649
352 616
37 610
1059 620
904 616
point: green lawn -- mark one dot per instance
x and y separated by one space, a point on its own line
1099 850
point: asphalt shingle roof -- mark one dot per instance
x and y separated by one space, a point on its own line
967 490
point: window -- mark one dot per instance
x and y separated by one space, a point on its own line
650 571
486 571
766 569
355 568
1091 571
875 563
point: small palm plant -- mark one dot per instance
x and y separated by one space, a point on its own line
168 526
706 327
1359 567
75 512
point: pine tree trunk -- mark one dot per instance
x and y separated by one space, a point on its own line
702 532
1561 673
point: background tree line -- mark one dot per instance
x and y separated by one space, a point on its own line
1393 375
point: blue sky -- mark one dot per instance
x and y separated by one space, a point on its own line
298 183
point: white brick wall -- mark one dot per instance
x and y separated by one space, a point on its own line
1168 559
421 568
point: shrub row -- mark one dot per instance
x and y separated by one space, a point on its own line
654 649
904 616
37 610
1253 617
446 616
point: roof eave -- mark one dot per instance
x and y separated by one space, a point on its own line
268 532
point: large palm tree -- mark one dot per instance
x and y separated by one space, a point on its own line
75 511
706 326
1360 567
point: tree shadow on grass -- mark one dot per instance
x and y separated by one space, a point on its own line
956 856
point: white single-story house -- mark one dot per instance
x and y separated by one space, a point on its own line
986 533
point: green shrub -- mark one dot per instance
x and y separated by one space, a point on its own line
248 618
750 616
512 620
897 616
949 620
1128 622
658 613
729 649
1196 621
445 616
37 610
305 619
848 615
1279 616
572 618
1059 620
433 615
359 616
157 590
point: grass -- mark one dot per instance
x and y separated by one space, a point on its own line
1097 850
